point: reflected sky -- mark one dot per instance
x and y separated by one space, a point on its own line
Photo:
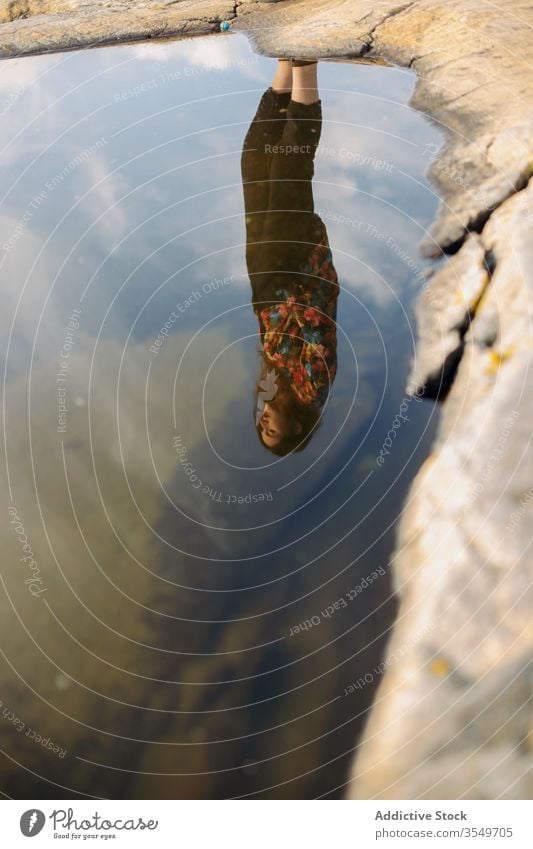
159 654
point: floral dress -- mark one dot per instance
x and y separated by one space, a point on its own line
299 333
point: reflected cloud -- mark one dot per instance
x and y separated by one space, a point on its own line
220 54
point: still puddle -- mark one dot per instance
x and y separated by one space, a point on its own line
185 613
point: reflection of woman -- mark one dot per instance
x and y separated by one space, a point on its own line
294 284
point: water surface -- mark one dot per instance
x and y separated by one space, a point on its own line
195 617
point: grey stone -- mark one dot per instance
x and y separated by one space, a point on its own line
444 312
463 567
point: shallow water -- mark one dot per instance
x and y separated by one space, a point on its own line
193 610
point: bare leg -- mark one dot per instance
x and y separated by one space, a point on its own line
304 84
282 81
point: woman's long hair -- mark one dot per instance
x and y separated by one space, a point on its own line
302 420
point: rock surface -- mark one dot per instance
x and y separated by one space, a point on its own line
37 26
451 717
